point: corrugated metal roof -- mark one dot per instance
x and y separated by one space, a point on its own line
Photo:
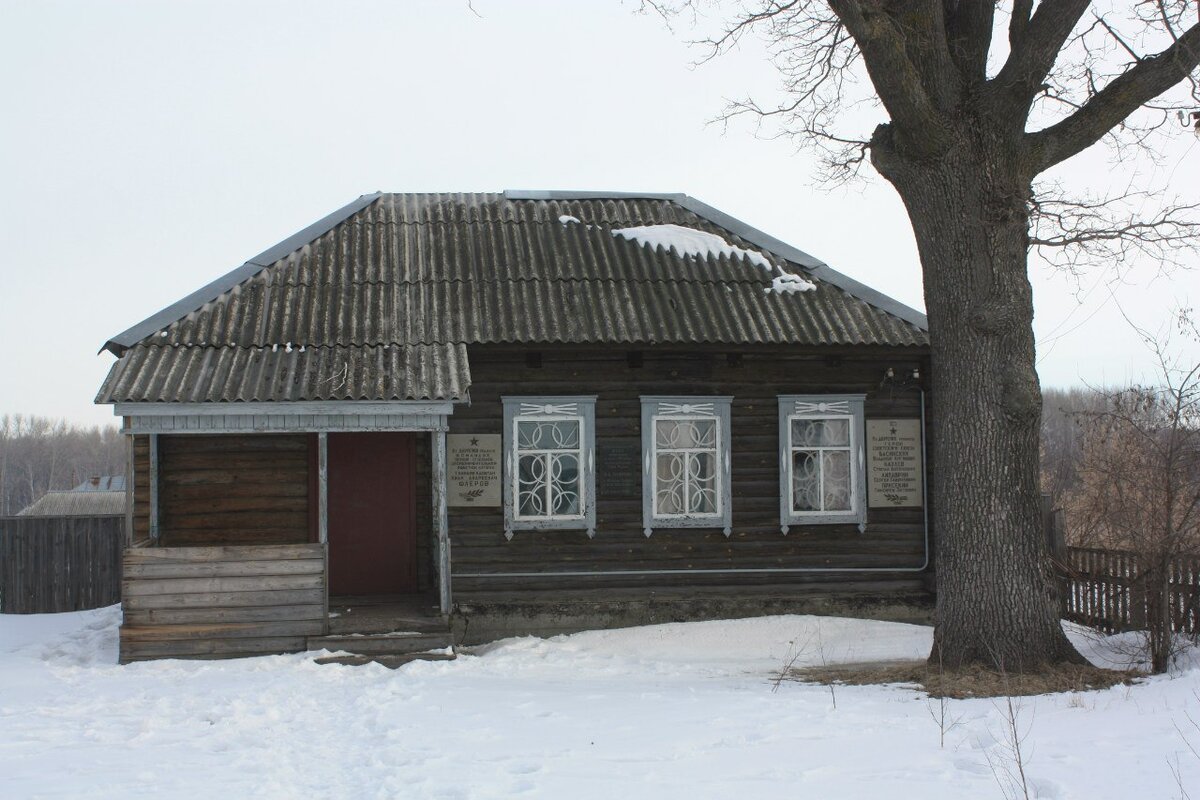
739 311
382 279
76 504
185 374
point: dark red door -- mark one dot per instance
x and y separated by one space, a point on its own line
372 518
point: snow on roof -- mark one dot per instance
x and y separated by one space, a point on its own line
788 283
690 242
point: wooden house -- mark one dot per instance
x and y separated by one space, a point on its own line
517 412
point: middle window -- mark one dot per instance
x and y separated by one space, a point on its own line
549 463
685 463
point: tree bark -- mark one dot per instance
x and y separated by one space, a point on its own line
994 577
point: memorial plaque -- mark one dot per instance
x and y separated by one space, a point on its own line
618 469
473 469
894 469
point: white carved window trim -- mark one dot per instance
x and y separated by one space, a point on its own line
820 407
580 409
682 409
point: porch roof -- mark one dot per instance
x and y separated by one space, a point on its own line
156 374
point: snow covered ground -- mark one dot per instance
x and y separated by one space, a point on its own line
668 711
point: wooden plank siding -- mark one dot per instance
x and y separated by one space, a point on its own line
55 564
221 601
624 558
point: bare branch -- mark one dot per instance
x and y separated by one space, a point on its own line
969 37
1040 41
1108 107
1071 233
1019 23
921 129
1116 36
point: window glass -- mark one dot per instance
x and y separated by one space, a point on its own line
685 466
821 464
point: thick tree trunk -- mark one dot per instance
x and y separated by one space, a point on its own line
995 601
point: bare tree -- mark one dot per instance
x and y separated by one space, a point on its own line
980 100
38 454
1140 483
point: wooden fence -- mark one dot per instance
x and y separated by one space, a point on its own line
1107 589
52 564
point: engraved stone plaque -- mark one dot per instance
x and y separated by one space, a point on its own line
894 469
473 469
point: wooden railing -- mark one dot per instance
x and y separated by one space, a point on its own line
1111 590
221 601
54 564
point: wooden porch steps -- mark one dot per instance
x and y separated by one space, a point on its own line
383 644
391 662
390 649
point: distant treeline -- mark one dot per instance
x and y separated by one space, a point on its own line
1124 464
38 454
1065 414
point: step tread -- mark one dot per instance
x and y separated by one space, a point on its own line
389 661
382 644
379 637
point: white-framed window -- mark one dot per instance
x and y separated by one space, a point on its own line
549 463
685 463
822 473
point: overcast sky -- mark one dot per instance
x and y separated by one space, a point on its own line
148 147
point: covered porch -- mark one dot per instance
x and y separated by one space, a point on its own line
285 527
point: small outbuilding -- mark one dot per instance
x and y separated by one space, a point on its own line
98 496
525 412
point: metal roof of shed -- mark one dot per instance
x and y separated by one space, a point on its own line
387 291
76 504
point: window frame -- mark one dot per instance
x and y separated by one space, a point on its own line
544 408
680 408
823 406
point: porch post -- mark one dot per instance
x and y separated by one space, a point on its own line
130 477
439 519
322 487
154 488
323 516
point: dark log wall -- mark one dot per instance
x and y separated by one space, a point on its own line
894 538
140 535
233 489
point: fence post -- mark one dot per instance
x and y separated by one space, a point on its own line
1138 594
